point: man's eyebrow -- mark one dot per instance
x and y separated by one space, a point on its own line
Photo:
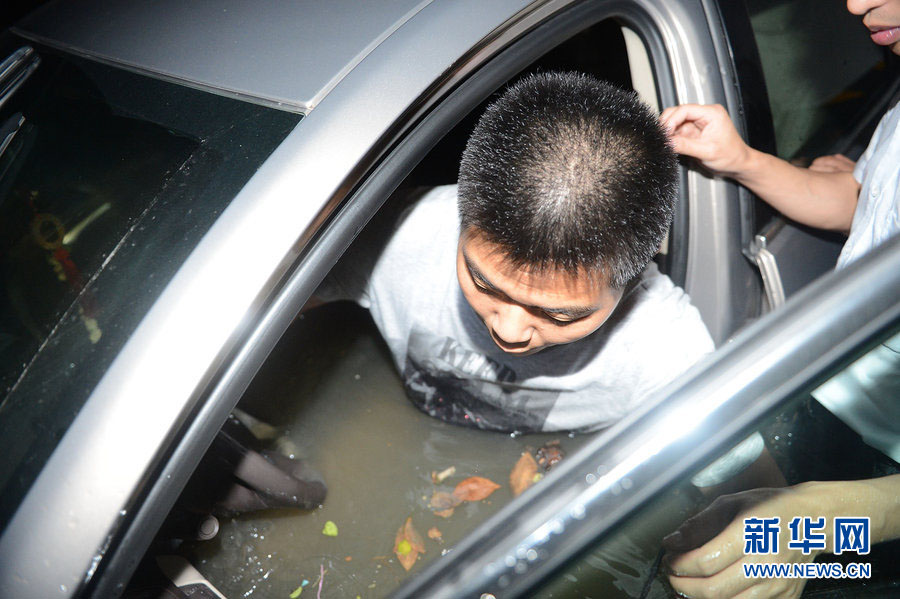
573 312
476 274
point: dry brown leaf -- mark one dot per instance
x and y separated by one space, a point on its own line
522 475
443 501
445 513
475 488
408 544
434 533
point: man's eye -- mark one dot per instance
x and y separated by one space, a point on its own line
481 288
559 319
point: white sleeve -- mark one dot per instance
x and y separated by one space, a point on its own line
732 463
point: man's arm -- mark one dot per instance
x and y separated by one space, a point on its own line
813 197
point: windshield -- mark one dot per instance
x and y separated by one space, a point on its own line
108 179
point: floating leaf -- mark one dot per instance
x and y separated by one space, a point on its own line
523 474
408 544
444 513
439 477
475 488
296 592
330 529
443 501
434 533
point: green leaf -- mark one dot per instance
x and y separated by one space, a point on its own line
297 592
330 529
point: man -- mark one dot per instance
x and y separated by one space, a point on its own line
707 550
525 298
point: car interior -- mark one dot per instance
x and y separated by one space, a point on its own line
329 400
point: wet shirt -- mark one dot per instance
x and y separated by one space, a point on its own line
453 370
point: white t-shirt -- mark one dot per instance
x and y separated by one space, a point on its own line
453 370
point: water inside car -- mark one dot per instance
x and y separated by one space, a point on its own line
340 406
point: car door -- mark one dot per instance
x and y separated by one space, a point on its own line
594 526
185 366
354 162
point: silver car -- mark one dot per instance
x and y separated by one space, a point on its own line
176 179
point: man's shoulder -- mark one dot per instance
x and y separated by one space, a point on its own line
421 242
659 313
426 213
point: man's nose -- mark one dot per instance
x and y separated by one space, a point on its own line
860 7
512 323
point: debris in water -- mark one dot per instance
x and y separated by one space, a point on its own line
445 513
330 530
439 477
475 488
443 501
523 473
434 533
408 545
299 589
550 454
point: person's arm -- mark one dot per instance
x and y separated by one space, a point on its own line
826 200
832 163
706 554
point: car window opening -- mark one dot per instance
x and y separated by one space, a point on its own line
329 397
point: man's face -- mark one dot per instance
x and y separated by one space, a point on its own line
882 18
526 312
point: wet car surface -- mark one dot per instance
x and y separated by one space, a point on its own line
173 208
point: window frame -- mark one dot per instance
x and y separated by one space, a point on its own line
581 502
473 77
540 26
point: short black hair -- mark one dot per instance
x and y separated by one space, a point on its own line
566 172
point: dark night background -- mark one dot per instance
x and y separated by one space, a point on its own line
13 10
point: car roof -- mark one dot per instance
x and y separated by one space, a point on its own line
289 55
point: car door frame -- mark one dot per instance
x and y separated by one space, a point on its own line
470 79
114 533
683 428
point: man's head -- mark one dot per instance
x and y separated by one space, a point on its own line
882 18
566 190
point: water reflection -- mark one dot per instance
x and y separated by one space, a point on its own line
332 389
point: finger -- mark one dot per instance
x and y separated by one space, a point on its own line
675 116
701 114
834 163
713 557
727 584
690 146
704 526
774 588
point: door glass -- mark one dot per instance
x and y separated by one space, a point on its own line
631 563
108 179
